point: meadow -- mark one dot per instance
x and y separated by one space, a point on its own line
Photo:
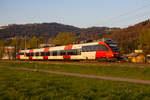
117 70
25 85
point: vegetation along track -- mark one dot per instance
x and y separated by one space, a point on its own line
88 63
82 75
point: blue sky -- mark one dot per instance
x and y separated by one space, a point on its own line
79 13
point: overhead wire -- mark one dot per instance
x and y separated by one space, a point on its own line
115 19
138 17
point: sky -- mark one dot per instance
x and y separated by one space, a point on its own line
79 13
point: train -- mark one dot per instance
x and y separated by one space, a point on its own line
97 50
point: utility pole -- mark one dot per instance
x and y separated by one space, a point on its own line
25 46
25 43
37 43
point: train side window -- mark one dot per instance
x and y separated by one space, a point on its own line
69 52
85 48
54 53
27 54
100 48
94 48
47 53
72 52
62 52
90 48
21 53
103 48
42 53
75 52
32 54
37 54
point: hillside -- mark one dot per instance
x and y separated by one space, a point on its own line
44 29
128 37
50 30
93 33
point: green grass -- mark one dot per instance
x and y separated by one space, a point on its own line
25 85
112 70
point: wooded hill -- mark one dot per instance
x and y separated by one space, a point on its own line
50 30
44 29
130 38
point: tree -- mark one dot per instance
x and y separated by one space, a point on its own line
15 43
144 39
33 42
22 44
64 38
1 52
3 43
50 41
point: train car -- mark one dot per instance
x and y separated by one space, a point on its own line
85 51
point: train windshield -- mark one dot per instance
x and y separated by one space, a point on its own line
113 45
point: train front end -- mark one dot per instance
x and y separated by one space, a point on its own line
114 48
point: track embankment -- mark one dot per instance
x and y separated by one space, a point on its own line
81 75
94 63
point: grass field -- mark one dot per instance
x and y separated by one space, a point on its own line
24 85
111 70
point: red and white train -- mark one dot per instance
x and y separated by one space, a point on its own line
86 51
